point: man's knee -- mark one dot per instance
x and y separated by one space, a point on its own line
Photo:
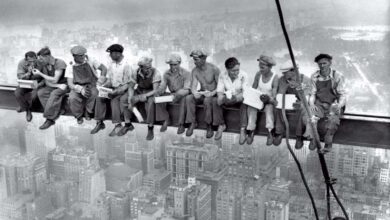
190 98
209 101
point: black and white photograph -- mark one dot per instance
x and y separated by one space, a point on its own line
195 110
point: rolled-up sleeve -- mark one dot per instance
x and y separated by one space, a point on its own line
133 76
313 85
221 84
157 77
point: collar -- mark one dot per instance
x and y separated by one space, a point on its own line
318 74
239 76
172 74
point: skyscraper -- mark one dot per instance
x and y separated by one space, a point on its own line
186 160
199 202
276 210
92 184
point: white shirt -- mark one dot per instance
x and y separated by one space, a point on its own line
225 83
119 73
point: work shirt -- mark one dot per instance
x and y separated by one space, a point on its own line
145 81
56 64
119 73
337 82
236 87
176 81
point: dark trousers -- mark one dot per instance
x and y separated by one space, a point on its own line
191 103
118 107
25 97
181 101
154 112
280 126
51 99
78 103
326 124
218 117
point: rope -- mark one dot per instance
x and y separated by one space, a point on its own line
315 132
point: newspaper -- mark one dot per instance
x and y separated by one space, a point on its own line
252 98
103 92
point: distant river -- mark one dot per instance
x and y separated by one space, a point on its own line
367 33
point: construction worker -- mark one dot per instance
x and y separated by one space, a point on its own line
52 94
288 84
178 81
148 79
230 90
118 78
327 101
267 82
205 74
82 79
24 96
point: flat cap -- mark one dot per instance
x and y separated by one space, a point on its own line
198 53
266 59
322 56
287 66
78 50
145 61
115 48
173 59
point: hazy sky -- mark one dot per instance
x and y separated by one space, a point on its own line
40 11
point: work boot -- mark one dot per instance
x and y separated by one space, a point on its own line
221 129
47 124
150 134
299 142
270 139
99 126
28 115
190 130
209 132
312 145
115 131
164 126
277 139
243 136
80 120
251 136
125 129
180 129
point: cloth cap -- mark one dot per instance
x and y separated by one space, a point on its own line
198 53
287 66
145 61
173 59
322 56
115 48
78 50
266 59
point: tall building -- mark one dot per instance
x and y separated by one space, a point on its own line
122 178
157 181
276 210
228 205
92 184
214 180
38 143
199 202
22 173
186 160
15 207
180 201
66 164
119 205
139 158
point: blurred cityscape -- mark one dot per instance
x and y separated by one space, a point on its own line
65 173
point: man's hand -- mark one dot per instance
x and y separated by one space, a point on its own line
208 94
62 86
313 108
176 97
101 80
36 72
197 95
142 97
